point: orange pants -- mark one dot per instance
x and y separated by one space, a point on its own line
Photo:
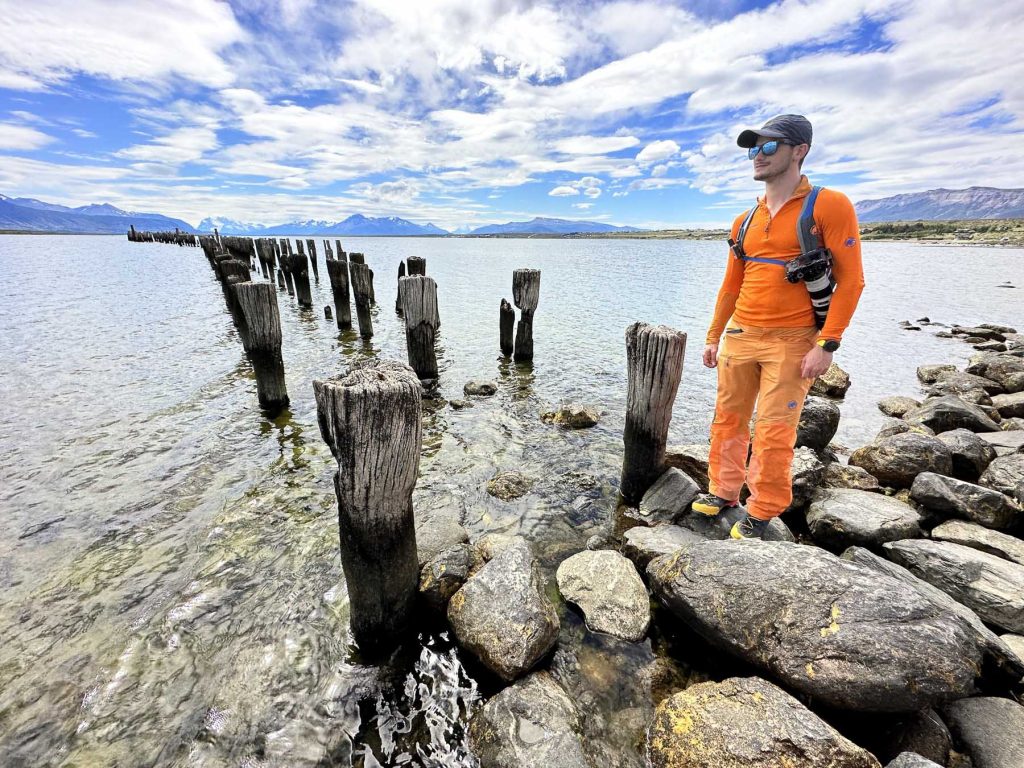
759 365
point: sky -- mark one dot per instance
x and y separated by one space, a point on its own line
470 112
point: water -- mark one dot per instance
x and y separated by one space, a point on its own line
172 587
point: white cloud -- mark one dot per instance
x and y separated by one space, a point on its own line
657 151
583 206
563 191
594 145
21 137
401 191
592 192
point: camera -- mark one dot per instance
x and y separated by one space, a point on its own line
810 266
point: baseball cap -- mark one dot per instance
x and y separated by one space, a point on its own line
795 128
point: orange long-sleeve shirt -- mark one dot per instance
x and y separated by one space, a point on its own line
758 294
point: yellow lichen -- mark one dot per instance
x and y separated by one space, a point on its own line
810 669
833 626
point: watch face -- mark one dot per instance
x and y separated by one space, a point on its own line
831 346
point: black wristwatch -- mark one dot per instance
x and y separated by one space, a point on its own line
828 345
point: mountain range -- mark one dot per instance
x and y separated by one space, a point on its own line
356 224
27 214
945 204
543 226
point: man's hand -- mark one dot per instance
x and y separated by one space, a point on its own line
711 356
815 362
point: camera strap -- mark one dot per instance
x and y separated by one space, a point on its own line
807 232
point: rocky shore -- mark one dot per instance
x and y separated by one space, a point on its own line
892 589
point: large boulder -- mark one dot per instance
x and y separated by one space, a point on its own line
609 591
692 460
839 517
991 587
531 724
641 544
1004 473
745 723
897 460
1009 405
669 498
958 498
970 452
897 405
819 420
834 382
844 476
838 631
975 536
989 729
942 414
1007 371
503 615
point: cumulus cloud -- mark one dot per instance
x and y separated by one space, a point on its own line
400 191
657 151
563 191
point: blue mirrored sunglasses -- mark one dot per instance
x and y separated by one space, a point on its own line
769 148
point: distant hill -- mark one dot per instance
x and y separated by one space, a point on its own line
356 224
26 214
945 204
543 226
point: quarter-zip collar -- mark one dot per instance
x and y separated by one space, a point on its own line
803 189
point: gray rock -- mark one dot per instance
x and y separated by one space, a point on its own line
989 729
807 472
1012 424
509 485
669 498
912 760
834 382
503 615
929 374
971 453
1009 405
609 591
843 476
692 460
839 517
980 332
532 724
942 414
1006 330
444 574
717 528
925 736
843 633
480 388
1003 655
438 527
745 723
991 587
819 420
897 405
897 460
641 545
991 346
1006 370
959 381
976 396
1015 643
975 536
899 426
1004 473
1004 442
459 405
573 416
968 501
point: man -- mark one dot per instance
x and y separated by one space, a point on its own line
773 348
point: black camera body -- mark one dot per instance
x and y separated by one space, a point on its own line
809 266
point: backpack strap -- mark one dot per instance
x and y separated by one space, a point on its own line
810 240
737 247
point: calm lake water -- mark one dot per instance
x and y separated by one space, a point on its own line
172 591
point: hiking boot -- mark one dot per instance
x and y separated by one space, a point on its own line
749 528
710 505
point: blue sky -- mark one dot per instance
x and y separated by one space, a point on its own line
467 113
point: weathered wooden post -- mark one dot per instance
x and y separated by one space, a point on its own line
506 322
311 245
526 295
328 253
418 295
398 298
371 420
417 265
339 251
262 341
337 269
356 258
327 312
280 278
300 274
654 363
361 286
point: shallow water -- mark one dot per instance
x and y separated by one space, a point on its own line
171 580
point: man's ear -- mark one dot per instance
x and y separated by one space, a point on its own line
800 151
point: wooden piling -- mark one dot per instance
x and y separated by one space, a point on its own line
361 287
398 298
328 253
417 265
526 295
418 295
311 247
371 420
506 323
337 269
327 312
300 274
262 341
654 363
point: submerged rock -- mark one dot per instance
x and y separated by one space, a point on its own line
531 723
480 388
968 501
839 517
443 575
838 631
609 591
669 498
970 452
897 460
819 421
897 406
438 527
947 412
573 416
509 485
991 587
989 729
977 537
834 382
502 614
745 723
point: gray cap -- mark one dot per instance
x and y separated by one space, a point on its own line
794 128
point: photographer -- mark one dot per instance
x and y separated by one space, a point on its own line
792 283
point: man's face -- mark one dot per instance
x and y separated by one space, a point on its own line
767 167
